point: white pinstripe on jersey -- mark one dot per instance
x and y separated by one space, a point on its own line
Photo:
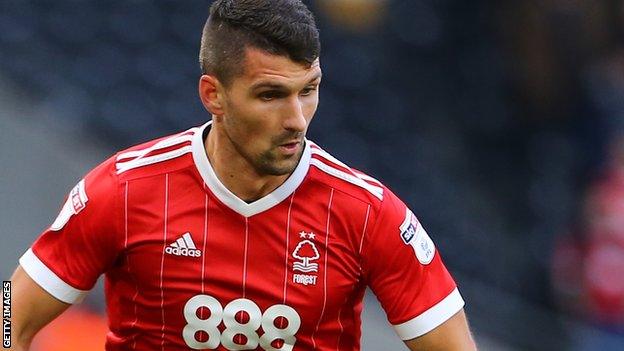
162 264
136 287
331 197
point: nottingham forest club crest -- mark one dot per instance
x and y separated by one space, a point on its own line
305 254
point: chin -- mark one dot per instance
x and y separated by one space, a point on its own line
279 168
285 166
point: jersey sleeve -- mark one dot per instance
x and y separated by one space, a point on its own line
404 270
84 240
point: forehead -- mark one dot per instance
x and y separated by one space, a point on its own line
261 66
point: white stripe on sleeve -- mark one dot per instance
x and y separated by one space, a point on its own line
431 318
48 280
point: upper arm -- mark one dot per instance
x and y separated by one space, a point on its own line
405 271
32 307
65 261
452 335
82 243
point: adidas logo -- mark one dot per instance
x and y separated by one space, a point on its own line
184 246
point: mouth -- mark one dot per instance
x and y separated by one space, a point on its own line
290 147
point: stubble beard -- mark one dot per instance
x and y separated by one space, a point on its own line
268 162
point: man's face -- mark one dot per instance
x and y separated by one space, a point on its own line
268 108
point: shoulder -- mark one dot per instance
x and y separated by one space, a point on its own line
327 169
152 158
334 173
155 157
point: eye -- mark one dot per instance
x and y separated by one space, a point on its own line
307 91
267 95
270 95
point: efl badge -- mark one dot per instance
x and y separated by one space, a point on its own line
76 202
412 233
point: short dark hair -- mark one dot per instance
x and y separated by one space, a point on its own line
280 27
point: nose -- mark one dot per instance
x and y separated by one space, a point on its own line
295 119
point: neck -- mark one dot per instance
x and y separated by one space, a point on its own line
235 172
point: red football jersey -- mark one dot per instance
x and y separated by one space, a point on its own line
190 265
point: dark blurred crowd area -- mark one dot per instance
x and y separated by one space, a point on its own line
499 122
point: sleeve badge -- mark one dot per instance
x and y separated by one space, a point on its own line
76 202
413 234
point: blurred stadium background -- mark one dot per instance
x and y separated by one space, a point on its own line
499 122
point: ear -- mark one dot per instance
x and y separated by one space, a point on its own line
210 93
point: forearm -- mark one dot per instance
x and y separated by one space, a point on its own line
452 335
19 343
22 333
32 308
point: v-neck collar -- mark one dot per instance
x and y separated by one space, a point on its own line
234 202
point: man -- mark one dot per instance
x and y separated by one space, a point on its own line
241 234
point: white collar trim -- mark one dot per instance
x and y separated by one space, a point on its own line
234 202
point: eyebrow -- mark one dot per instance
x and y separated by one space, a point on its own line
272 85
